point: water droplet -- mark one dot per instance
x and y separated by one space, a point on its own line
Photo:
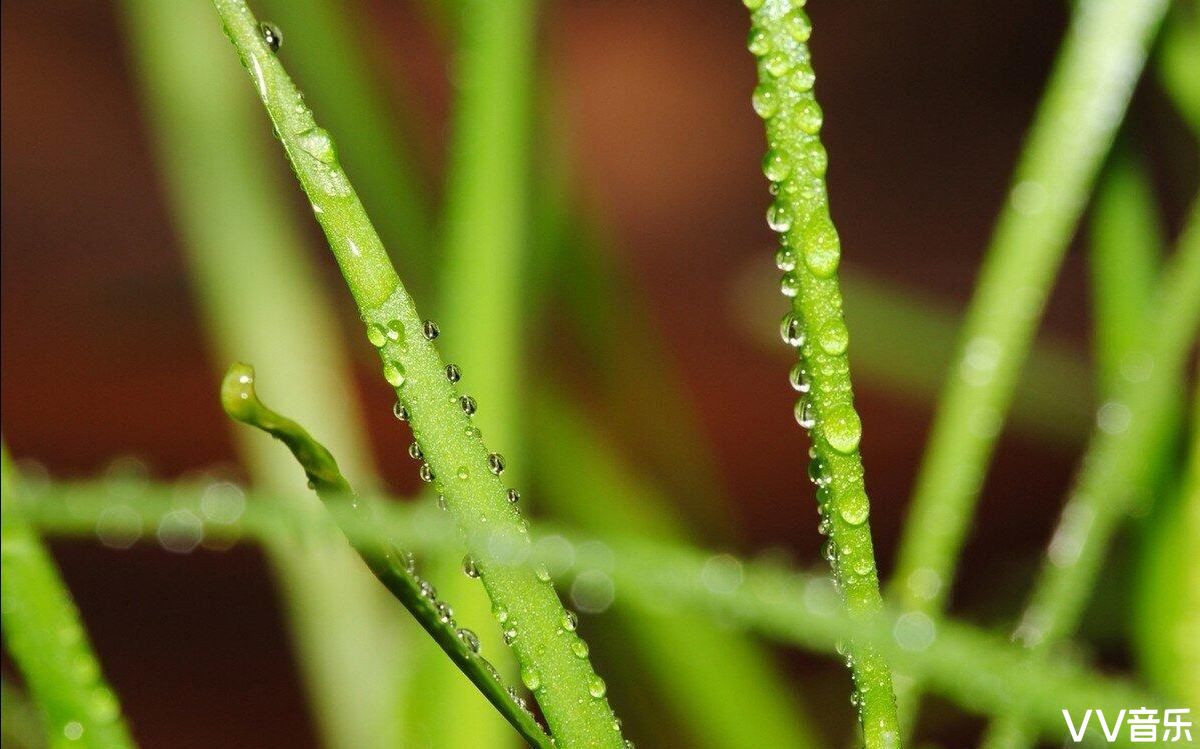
779 218
399 411
470 568
496 463
810 118
414 451
752 4
531 679
408 560
798 26
500 613
818 472
316 143
765 102
758 42
579 648
453 373
570 621
843 428
834 337
376 335
542 572
854 511
791 330
426 473
463 473
393 372
775 166
802 78
789 285
426 590
824 252
271 35
444 612
468 405
430 329
785 259
778 64
510 635
596 686
514 496
798 378
395 331
470 639
803 411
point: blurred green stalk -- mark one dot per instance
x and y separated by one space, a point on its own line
45 637
261 302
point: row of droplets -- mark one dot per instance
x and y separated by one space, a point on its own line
393 332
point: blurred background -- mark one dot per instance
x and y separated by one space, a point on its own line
646 135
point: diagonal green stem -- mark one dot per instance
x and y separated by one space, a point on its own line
394 568
45 636
572 696
811 251
1131 426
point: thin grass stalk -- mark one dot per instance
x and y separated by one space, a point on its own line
572 696
1084 102
45 636
975 669
259 299
809 256
394 567
1111 480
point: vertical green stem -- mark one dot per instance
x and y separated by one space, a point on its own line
45 637
572 696
795 164
260 300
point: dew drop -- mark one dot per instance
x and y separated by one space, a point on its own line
453 373
430 329
775 166
496 463
514 496
802 78
596 686
463 473
834 337
470 639
765 102
855 511
824 253
810 118
510 635
426 590
399 411
316 143
426 473
789 285
393 372
542 572
445 613
803 411
843 428
778 64
468 405
271 35
758 42
500 613
798 26
469 567
376 335
579 648
818 472
531 679
798 378
395 331
570 621
791 330
414 451
779 218
785 259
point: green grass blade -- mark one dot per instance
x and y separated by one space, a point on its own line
572 696
44 635
1178 60
1126 251
326 51
394 567
260 299
1088 91
980 671
811 252
1131 426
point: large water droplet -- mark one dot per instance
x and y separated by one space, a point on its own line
513 495
468 405
855 510
596 686
579 648
818 471
469 567
798 26
470 639
570 621
453 373
778 64
785 259
842 428
426 473
758 42
789 285
810 118
393 372
798 378
803 411
445 613
316 143
531 678
496 463
399 411
414 451
430 330
376 335
775 166
791 330
765 102
779 218
834 337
